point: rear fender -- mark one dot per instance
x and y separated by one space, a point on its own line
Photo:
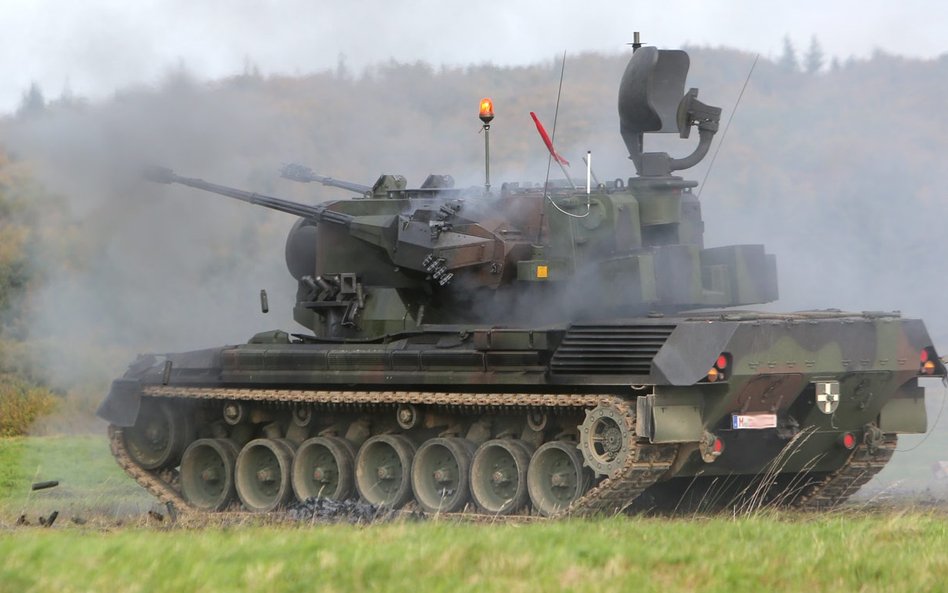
670 417
905 413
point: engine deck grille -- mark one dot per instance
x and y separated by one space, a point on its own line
609 349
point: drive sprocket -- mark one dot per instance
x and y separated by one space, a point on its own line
605 438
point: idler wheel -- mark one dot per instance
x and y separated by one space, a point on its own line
263 474
556 477
159 436
440 474
499 475
604 438
383 470
207 473
325 467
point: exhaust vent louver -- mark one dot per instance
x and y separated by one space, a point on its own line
609 349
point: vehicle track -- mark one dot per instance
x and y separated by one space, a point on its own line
613 494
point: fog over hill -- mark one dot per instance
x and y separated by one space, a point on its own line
93 47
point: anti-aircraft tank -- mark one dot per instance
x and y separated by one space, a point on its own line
538 350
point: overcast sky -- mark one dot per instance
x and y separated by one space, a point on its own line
96 46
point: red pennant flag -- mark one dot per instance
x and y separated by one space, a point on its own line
546 140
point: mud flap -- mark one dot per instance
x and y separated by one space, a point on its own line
121 405
905 414
674 419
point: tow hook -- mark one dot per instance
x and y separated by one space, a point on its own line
711 447
874 437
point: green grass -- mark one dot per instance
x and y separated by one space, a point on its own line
770 551
90 481
900 552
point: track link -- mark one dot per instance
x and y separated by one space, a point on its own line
864 463
646 464
149 480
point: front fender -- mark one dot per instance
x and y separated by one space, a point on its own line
121 405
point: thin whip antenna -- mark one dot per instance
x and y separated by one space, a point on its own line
549 162
556 112
727 125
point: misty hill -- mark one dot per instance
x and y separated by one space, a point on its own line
837 171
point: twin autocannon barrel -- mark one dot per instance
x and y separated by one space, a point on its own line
318 213
304 174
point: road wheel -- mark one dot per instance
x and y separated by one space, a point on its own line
263 474
556 477
440 473
383 470
207 473
499 475
324 467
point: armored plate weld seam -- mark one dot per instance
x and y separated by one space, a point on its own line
646 463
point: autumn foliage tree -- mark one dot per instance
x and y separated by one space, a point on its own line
23 395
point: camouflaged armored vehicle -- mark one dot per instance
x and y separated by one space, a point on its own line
534 350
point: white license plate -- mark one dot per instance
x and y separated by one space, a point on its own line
753 421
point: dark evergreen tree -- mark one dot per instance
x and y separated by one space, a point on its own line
814 58
342 69
33 102
788 59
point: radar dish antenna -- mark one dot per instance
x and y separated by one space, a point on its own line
652 100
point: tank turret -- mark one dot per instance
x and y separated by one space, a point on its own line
395 258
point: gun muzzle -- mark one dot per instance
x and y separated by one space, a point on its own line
159 174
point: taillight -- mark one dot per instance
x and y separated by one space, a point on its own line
719 371
848 441
926 361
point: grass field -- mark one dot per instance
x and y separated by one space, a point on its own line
849 550
892 552
91 484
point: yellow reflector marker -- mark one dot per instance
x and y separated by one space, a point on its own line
542 272
929 367
713 375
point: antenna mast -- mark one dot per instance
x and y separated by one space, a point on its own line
486 115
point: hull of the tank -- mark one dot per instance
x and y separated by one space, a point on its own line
712 395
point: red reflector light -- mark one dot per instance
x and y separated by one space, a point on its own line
849 441
923 355
718 445
721 362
